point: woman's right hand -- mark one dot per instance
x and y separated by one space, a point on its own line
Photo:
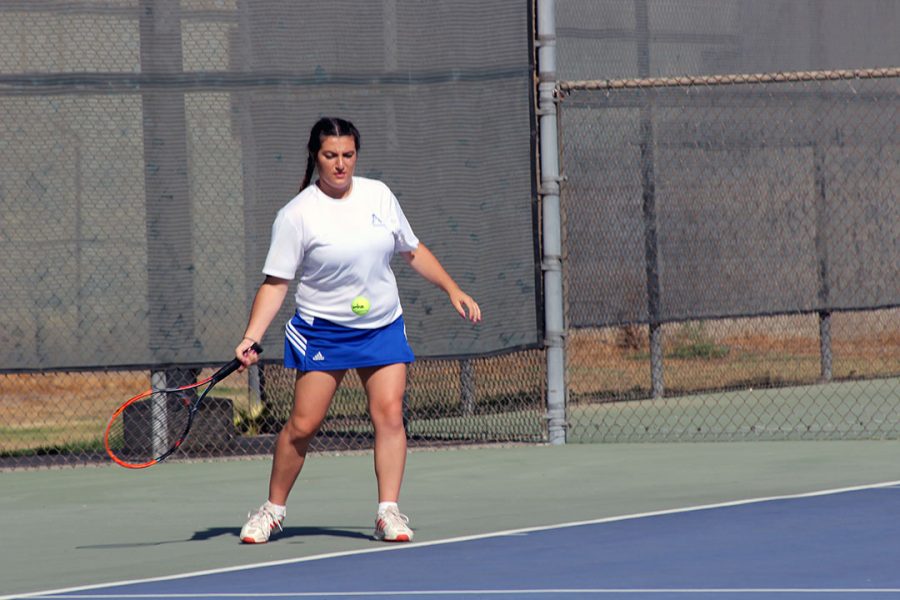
245 353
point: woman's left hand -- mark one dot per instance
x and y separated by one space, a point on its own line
427 265
465 305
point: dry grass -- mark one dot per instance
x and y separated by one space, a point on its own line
57 408
63 408
733 353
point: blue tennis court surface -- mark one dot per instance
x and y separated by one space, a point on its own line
837 544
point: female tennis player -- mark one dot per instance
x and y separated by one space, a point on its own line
337 237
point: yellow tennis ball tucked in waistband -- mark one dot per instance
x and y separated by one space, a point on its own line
360 305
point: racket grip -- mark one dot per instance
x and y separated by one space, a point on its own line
233 365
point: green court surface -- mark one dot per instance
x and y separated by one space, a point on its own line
864 409
72 527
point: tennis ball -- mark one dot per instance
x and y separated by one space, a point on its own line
360 305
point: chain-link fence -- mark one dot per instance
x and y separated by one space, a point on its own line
147 145
57 418
732 243
732 251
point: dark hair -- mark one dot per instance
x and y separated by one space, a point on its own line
325 127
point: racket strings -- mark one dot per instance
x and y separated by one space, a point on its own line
150 427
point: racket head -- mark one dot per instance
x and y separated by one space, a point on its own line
149 427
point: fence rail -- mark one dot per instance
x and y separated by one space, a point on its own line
730 79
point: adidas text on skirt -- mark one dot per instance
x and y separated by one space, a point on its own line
327 346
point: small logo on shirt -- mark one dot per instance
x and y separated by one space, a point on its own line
318 356
376 222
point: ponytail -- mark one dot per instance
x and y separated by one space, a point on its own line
310 167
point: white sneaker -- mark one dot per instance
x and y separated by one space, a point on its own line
260 525
391 526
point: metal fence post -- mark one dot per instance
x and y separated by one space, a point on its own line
169 243
554 319
467 386
648 186
822 260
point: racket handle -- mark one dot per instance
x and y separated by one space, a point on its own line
233 366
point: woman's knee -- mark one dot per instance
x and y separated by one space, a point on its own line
387 416
298 428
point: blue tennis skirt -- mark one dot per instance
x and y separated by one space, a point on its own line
327 346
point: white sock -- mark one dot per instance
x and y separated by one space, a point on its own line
276 509
383 506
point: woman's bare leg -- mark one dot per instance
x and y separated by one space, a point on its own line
384 388
313 392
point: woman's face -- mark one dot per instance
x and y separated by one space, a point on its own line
335 162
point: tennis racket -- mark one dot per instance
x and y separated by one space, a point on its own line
147 428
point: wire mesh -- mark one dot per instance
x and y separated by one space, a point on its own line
57 418
751 223
731 240
147 147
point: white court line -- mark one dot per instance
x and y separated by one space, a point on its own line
552 592
403 547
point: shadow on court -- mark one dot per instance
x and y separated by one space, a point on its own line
233 532
287 533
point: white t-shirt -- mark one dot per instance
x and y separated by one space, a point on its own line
342 249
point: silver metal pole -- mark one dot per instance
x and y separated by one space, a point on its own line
822 260
648 186
467 386
554 318
159 416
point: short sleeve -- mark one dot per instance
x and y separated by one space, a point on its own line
286 248
404 238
